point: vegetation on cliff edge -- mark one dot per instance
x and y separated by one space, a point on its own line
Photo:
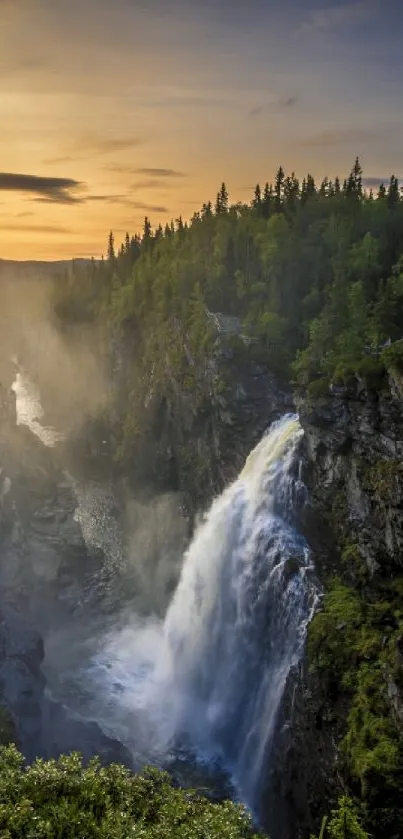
310 274
354 647
64 800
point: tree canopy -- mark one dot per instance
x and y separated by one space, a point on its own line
313 272
64 800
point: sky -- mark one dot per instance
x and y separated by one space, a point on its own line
113 111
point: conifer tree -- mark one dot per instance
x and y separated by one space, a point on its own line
111 248
357 174
207 210
278 189
267 200
393 196
147 232
310 186
222 200
257 198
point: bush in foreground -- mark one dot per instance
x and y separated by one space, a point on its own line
63 799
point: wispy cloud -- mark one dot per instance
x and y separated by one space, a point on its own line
127 201
108 199
52 190
282 104
35 228
146 171
154 183
96 145
373 181
150 208
326 139
342 14
160 173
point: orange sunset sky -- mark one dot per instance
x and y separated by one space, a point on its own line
114 111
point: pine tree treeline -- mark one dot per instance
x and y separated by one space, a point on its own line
313 271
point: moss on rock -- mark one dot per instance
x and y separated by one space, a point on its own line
352 645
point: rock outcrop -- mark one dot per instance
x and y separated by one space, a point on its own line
43 558
345 704
353 453
200 450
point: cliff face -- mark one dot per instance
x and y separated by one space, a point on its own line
210 451
41 553
342 714
353 452
199 447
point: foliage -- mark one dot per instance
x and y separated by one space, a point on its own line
313 272
392 357
344 822
352 645
65 800
382 478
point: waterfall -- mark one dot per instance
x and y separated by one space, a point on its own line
208 680
237 621
30 411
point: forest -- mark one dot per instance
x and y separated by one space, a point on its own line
310 276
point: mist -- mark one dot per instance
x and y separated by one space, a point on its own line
92 565
66 365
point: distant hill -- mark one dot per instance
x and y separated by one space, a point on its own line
35 269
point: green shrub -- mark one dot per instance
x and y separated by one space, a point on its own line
333 631
318 388
345 822
65 800
354 564
383 478
392 357
352 646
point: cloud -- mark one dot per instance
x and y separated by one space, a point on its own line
153 183
278 105
107 145
160 173
147 171
127 201
326 139
35 228
50 190
332 17
95 145
108 199
151 208
372 181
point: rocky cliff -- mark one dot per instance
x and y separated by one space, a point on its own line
209 451
41 549
340 723
343 711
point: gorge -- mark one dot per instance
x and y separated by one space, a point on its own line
175 691
202 525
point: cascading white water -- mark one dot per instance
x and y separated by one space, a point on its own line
238 619
209 679
30 411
